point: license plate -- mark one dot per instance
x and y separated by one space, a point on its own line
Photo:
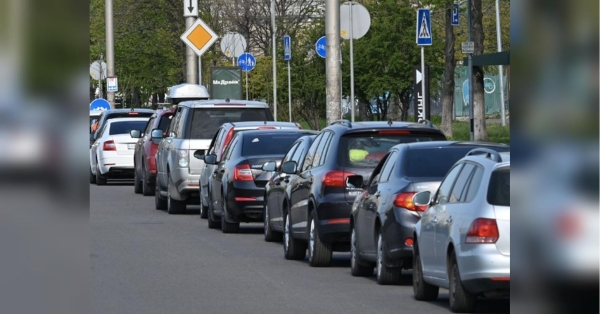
130 146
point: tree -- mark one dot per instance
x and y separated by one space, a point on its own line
479 131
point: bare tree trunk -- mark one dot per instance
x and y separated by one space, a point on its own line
394 108
450 63
362 112
480 131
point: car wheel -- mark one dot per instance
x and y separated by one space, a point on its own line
270 235
174 207
228 227
159 201
293 249
212 223
100 180
461 300
203 209
422 290
137 183
92 176
385 275
356 268
147 188
319 253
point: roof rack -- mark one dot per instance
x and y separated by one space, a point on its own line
427 122
488 153
342 122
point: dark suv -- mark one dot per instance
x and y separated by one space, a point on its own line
338 161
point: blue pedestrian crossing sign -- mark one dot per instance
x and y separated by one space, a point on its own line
99 104
287 48
321 47
424 37
455 16
246 61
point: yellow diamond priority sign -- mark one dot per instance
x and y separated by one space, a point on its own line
199 37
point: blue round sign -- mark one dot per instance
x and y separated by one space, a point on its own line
100 104
246 61
320 47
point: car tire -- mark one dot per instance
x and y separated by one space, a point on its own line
461 300
357 267
293 249
100 180
203 208
385 275
92 177
319 253
137 183
147 188
270 235
421 289
212 224
160 203
228 227
174 207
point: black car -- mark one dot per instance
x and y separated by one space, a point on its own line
383 216
118 113
339 160
238 182
277 190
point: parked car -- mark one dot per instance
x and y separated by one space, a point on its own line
238 182
94 115
277 191
144 157
384 216
111 155
339 160
462 242
106 115
217 146
193 126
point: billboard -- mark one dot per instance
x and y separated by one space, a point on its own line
422 106
226 82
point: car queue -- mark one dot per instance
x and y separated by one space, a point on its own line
396 195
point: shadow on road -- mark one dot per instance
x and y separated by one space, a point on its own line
483 305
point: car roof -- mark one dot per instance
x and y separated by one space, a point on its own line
94 113
260 123
127 119
434 144
378 125
490 159
275 132
223 103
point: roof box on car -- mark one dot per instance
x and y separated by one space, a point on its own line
183 92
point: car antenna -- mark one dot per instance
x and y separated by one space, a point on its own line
390 122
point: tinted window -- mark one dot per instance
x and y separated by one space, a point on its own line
174 122
459 186
474 184
206 121
229 149
148 128
444 190
321 150
124 127
290 153
387 169
432 162
165 120
365 151
499 188
268 144
311 152
181 123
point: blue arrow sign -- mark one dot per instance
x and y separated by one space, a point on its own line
100 104
287 48
424 37
455 16
320 47
246 61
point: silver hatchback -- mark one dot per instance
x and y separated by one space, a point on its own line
462 242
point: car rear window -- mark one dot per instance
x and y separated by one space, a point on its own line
432 162
165 120
124 127
206 121
269 144
365 151
499 188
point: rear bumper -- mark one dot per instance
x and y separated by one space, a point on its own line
187 186
245 203
480 263
334 222
396 231
117 164
496 288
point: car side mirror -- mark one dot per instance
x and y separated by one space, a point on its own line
422 198
210 159
199 154
289 167
270 166
355 181
135 133
156 135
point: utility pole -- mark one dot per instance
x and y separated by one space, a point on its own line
110 50
100 93
500 67
470 75
333 72
274 55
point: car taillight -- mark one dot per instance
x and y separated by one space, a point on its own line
336 178
404 200
483 230
132 113
109 145
394 132
267 128
227 140
242 173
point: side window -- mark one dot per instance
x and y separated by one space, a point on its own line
290 154
474 185
179 130
446 185
174 122
216 144
326 150
311 153
230 148
321 150
461 181
148 129
390 164
104 128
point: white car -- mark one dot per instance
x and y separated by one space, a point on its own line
111 155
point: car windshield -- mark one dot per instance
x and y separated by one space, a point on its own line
365 151
124 127
206 121
499 188
433 162
268 144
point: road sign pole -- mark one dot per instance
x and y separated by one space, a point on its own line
423 82
246 85
290 90
191 66
470 75
199 70
351 65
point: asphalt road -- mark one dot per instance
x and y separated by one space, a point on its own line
146 261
